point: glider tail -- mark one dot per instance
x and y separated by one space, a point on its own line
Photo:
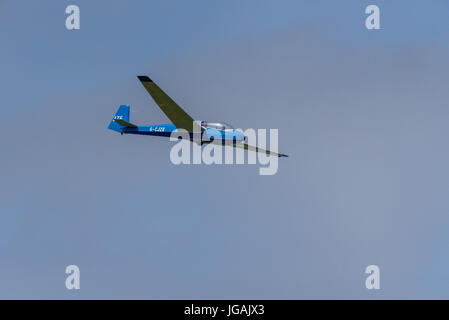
121 114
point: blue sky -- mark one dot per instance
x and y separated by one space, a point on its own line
362 114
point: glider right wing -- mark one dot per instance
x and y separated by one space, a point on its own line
174 112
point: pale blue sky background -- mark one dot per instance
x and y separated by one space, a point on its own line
362 114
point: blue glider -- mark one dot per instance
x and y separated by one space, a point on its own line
197 131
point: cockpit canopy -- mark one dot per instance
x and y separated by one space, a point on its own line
216 125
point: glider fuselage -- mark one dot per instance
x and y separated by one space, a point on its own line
165 130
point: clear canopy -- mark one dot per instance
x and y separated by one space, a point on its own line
216 125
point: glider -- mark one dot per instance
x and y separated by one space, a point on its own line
198 131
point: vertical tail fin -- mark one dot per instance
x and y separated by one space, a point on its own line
121 114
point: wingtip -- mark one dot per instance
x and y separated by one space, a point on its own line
283 155
144 79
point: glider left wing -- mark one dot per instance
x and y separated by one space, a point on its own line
246 146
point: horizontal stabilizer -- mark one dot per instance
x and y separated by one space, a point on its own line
125 123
